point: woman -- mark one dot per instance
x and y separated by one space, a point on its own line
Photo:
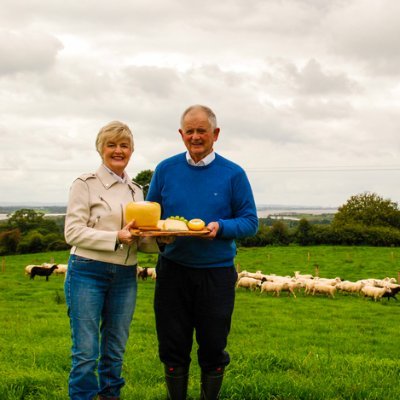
100 286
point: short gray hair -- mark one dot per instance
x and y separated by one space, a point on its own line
114 130
212 119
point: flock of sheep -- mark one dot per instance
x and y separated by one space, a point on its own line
373 288
46 269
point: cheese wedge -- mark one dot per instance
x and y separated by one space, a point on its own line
174 225
160 224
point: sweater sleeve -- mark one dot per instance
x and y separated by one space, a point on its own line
244 221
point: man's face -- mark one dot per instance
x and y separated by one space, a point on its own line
198 135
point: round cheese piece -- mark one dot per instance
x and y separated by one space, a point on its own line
145 213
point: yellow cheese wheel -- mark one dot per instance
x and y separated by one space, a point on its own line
145 213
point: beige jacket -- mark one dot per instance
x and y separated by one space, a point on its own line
95 214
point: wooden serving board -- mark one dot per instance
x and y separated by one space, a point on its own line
139 232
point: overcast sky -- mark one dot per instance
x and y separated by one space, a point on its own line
306 92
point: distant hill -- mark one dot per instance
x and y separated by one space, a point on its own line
45 209
263 209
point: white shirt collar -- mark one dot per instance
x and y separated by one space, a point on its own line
120 179
208 159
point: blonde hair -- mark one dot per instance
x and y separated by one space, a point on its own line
114 130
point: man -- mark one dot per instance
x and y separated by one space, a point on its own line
195 286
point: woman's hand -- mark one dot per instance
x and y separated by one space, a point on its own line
125 236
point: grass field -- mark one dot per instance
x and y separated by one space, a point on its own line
312 348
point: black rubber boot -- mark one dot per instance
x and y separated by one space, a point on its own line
211 382
177 382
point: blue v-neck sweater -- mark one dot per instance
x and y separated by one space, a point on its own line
217 192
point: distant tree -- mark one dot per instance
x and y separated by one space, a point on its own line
304 232
368 209
9 241
143 178
25 219
258 240
33 242
280 233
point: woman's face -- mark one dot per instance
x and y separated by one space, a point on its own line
116 155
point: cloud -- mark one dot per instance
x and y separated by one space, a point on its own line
24 51
367 34
295 84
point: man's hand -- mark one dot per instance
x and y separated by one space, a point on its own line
214 228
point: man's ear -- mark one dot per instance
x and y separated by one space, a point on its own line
216 134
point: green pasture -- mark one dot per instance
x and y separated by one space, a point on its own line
311 348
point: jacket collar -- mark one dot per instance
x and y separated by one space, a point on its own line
109 180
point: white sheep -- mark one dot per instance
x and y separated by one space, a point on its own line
368 282
290 288
248 283
274 287
61 269
309 286
302 276
384 282
151 273
28 268
324 289
242 274
350 287
329 281
374 292
255 275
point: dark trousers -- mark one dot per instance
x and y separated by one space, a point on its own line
193 299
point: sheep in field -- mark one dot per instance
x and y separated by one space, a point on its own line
309 286
290 287
302 276
350 287
141 273
274 287
242 274
329 281
61 269
278 287
394 289
374 292
28 268
248 283
144 273
151 272
42 271
324 289
255 275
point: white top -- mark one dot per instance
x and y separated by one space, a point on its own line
117 177
208 159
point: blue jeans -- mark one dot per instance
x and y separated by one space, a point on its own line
101 299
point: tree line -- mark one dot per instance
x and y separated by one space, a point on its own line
29 231
365 219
